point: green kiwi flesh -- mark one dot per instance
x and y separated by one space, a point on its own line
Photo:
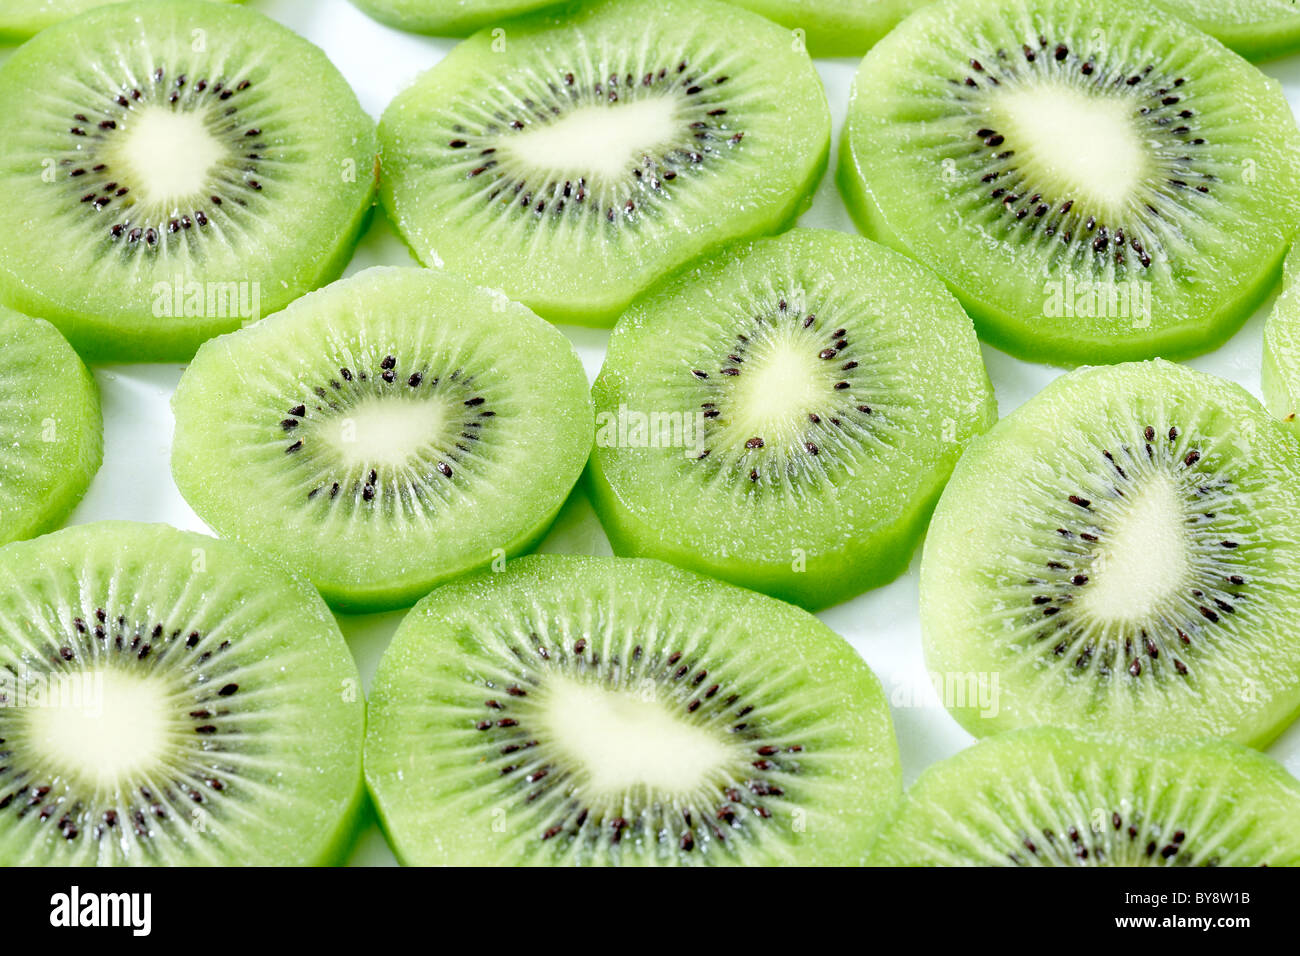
578 710
1122 551
1097 182
170 699
447 17
21 19
384 434
1048 797
574 159
784 415
174 170
51 428
1258 29
1281 368
836 27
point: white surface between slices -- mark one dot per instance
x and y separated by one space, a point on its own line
135 481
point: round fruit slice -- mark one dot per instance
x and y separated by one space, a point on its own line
1123 551
21 19
385 434
1046 797
1097 182
51 431
169 699
613 711
836 27
1255 28
1281 371
173 171
580 158
785 415
447 17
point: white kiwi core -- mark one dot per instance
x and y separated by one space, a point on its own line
1089 146
385 431
1144 561
783 381
623 740
597 142
170 155
103 726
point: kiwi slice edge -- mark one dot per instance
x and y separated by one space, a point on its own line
51 427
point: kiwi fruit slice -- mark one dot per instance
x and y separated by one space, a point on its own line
836 27
384 434
174 170
51 428
784 415
1257 29
1049 797
580 710
447 17
170 699
1096 181
1122 551
20 19
1281 370
572 159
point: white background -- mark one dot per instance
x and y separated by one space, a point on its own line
135 481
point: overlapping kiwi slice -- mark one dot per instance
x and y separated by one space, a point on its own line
836 27
447 17
51 428
384 434
575 710
785 415
174 170
1281 371
571 159
1122 552
20 19
1095 181
1047 797
167 698
1254 28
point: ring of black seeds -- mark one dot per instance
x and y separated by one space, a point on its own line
418 483
1028 211
143 647
514 188
109 197
846 416
512 745
1170 647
